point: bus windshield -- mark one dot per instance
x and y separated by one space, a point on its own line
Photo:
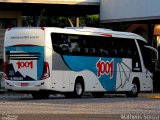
150 55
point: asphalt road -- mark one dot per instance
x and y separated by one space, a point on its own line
145 107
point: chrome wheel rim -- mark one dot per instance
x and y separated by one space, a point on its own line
79 89
134 89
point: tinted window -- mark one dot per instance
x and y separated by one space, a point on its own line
80 45
147 55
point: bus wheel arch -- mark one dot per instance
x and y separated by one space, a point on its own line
79 87
135 88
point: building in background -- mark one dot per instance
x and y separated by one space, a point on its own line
7 19
157 34
129 10
134 11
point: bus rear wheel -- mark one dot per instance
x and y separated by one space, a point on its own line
78 89
40 95
134 91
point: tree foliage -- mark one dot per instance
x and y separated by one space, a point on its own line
61 21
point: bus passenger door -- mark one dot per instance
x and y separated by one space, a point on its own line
149 58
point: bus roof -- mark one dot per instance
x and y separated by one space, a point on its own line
108 32
87 31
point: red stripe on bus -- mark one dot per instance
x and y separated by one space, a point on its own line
107 35
25 45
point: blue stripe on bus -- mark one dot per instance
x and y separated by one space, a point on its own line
104 74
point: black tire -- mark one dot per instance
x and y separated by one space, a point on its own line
134 92
40 95
97 94
78 89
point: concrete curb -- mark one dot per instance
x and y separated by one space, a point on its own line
150 95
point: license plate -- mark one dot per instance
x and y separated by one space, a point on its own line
24 84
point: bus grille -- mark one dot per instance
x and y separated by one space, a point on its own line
23 55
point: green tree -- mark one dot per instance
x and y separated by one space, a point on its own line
61 21
92 20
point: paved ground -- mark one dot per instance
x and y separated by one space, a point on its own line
86 108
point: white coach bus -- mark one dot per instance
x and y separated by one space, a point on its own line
71 61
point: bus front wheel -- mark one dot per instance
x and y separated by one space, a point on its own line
134 91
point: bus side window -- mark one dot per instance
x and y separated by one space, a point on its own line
129 52
106 53
65 50
75 48
98 52
121 52
92 51
57 48
82 50
86 51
